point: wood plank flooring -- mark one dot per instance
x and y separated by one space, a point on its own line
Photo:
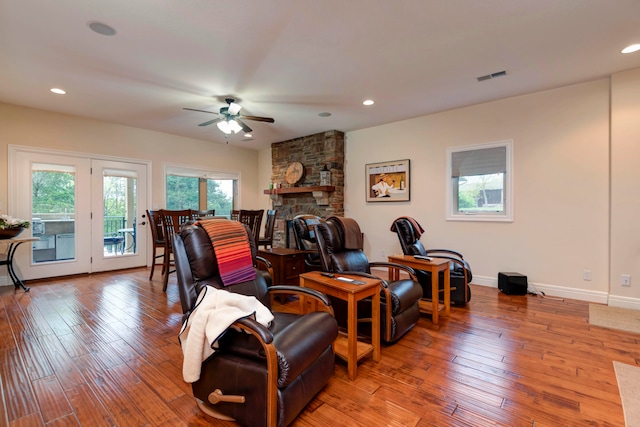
102 350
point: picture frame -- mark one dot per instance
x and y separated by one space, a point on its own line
388 181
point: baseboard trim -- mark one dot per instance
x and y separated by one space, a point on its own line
552 290
558 291
624 302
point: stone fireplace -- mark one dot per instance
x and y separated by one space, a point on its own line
307 196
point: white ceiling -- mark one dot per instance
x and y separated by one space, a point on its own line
294 59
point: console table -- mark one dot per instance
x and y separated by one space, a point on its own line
13 245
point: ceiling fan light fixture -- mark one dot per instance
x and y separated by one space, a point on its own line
224 127
234 108
234 126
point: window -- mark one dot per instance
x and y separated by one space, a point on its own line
480 181
198 189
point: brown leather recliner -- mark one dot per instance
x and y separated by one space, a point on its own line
460 272
275 370
305 237
399 310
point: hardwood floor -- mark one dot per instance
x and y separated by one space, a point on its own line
102 350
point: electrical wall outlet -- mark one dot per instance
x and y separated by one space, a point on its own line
586 275
625 280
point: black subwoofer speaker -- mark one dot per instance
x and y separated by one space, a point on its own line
512 283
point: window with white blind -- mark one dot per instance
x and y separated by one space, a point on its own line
480 182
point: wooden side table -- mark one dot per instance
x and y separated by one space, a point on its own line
349 348
287 265
435 265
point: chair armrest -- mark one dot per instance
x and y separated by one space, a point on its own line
264 261
282 289
253 327
267 265
444 251
406 268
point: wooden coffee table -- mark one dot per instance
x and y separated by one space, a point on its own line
349 348
435 265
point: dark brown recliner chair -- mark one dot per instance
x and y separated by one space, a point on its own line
460 271
274 371
305 237
399 310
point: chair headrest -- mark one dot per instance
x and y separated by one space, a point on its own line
200 253
352 236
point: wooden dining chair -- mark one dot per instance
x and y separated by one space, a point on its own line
202 213
269 225
234 215
172 220
157 239
253 219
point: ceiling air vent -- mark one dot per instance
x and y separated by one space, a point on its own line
492 76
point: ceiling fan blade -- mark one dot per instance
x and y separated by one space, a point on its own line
234 108
210 122
243 125
259 119
202 111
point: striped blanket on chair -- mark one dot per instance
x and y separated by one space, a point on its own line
231 246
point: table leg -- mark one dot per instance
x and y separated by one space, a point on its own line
447 292
12 273
352 336
435 295
375 326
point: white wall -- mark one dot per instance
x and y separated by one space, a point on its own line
625 194
561 187
37 128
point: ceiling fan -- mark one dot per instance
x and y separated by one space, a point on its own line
231 121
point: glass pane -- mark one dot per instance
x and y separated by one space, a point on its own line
120 213
480 193
220 196
182 192
53 212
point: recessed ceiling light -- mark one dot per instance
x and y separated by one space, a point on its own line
58 91
631 49
324 114
101 28
248 135
368 102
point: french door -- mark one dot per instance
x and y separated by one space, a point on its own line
87 213
118 215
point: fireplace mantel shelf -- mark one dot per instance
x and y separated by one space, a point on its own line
320 193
